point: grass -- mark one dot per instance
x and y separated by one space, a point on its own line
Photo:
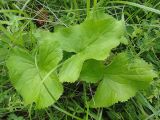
18 19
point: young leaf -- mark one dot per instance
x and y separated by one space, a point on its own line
92 71
122 79
30 74
93 39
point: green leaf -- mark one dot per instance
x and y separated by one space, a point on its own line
93 39
122 79
3 54
31 75
92 71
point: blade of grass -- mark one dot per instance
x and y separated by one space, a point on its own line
95 3
85 100
153 115
25 4
137 5
13 11
67 113
88 7
6 33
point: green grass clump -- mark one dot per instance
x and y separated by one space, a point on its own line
19 19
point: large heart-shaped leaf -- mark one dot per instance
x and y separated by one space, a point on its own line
122 79
32 75
93 39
